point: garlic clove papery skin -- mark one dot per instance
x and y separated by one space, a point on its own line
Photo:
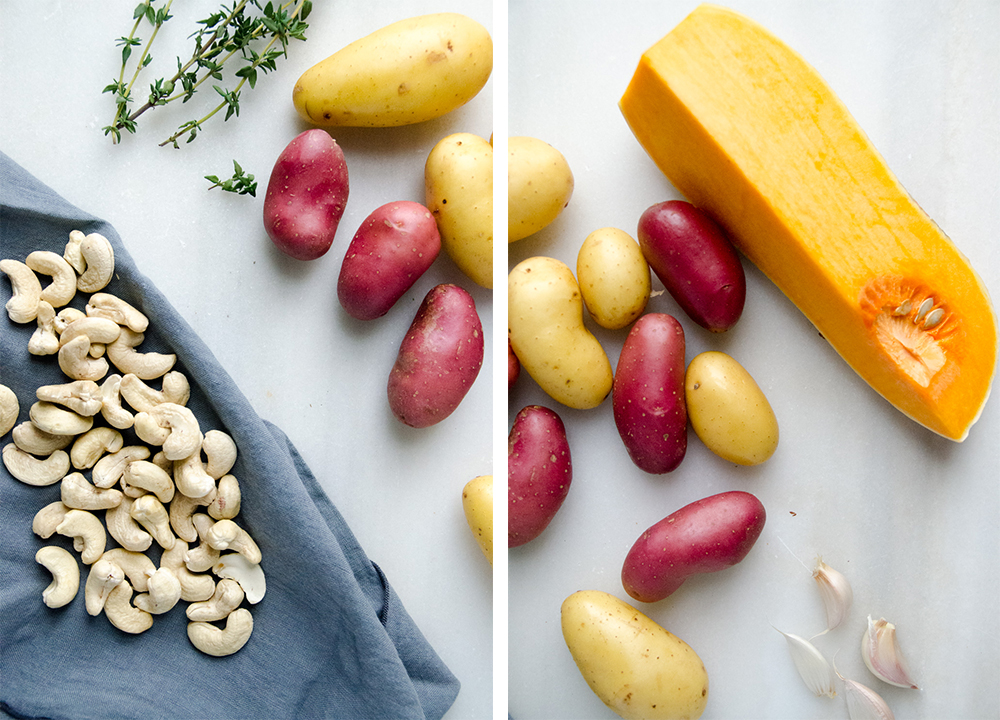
882 656
836 593
814 669
863 703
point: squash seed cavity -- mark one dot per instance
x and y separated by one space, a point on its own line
910 324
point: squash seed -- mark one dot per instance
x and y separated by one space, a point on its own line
925 307
934 317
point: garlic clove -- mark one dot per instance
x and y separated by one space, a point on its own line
880 651
813 668
863 703
835 591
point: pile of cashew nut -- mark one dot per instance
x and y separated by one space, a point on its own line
170 484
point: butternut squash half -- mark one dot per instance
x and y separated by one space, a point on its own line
748 131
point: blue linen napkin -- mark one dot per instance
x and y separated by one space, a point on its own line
331 638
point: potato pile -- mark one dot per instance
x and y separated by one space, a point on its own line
408 72
636 667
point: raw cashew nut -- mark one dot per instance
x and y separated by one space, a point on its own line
65 316
150 513
10 408
27 291
143 398
77 492
181 510
81 396
204 556
226 504
65 575
30 438
149 476
122 614
249 575
104 576
227 535
191 479
147 366
124 529
182 437
93 444
35 471
220 453
163 593
87 531
219 642
72 253
57 420
111 409
47 519
227 597
110 469
45 340
195 587
76 362
95 329
138 568
114 308
63 286
100 263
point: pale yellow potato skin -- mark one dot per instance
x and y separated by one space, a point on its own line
458 185
407 72
728 410
614 277
477 501
546 330
539 185
635 666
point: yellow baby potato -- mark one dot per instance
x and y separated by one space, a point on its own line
632 664
477 501
614 277
546 330
728 410
408 72
458 182
539 186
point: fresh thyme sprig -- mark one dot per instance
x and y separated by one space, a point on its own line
232 32
241 183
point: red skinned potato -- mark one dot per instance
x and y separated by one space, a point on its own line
390 251
539 472
439 358
708 535
695 261
306 195
648 394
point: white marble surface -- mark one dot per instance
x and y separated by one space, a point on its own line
274 323
910 518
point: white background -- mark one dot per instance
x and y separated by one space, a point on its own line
911 519
275 323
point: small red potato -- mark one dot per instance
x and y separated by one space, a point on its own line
648 394
306 195
513 366
695 261
390 251
708 535
439 358
539 472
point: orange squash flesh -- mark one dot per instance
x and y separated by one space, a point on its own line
748 131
